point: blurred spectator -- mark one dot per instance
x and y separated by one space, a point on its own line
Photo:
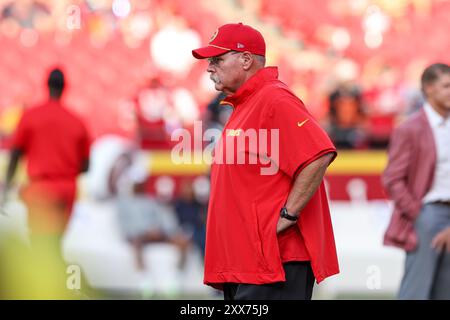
217 115
346 118
105 152
25 12
152 102
384 100
414 101
144 219
192 214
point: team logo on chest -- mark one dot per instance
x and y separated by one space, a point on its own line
233 132
249 146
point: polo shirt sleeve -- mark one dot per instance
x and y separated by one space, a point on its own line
301 139
21 135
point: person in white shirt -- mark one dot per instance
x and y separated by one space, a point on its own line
417 179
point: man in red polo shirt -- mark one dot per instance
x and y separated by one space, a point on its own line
269 232
56 145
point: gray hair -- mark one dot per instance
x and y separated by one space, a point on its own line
260 59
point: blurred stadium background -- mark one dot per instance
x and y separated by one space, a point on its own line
355 63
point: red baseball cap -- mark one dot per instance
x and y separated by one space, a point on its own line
233 36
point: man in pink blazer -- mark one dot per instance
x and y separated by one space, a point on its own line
417 179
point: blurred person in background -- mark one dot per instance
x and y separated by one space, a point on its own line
417 179
152 101
192 215
143 219
217 115
269 236
26 12
56 146
105 152
346 118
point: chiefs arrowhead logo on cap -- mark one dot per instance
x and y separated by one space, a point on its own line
214 36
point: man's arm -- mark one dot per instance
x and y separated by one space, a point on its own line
11 170
85 150
85 166
395 175
305 185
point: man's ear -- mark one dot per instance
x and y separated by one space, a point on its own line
247 59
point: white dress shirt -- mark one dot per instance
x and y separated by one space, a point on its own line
440 189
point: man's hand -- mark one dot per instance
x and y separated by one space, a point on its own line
284 224
442 240
305 185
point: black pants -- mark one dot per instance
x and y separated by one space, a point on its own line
298 286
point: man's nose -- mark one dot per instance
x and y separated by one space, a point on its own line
210 68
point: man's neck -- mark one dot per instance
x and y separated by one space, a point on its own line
248 75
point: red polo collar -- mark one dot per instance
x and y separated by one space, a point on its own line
252 85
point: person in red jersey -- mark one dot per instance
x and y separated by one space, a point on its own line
269 231
56 145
